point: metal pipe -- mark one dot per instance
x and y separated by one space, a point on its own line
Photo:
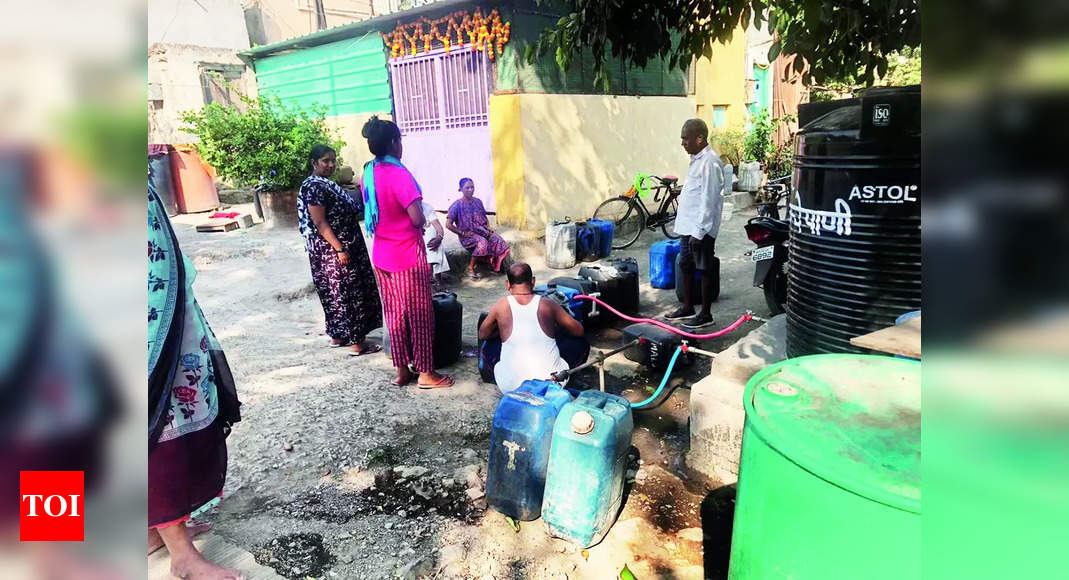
601 376
702 352
598 359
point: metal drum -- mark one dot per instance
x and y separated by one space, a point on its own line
855 215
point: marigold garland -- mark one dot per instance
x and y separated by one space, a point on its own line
460 29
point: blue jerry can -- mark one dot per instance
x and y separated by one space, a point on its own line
519 448
607 231
585 480
587 241
663 263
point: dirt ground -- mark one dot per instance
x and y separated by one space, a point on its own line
336 474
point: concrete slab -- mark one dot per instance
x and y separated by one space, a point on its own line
716 409
219 551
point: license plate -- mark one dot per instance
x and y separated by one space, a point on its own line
764 253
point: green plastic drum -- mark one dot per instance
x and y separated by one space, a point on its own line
829 480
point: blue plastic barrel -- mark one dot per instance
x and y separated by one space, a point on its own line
606 231
663 263
585 479
519 448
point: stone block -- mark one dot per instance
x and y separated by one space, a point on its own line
716 406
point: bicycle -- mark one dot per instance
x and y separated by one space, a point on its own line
630 217
773 197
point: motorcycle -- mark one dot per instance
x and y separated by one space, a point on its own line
773 195
772 237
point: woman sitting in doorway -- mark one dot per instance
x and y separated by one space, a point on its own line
467 219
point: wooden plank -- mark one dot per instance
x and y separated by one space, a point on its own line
903 339
218 226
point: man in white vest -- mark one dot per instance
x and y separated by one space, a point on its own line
528 327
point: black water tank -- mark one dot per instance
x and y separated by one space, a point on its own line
855 247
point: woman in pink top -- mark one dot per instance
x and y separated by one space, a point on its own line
393 215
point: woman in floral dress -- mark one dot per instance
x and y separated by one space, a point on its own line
341 268
467 219
192 402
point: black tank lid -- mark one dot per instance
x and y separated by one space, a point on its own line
880 112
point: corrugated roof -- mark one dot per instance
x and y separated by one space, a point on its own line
344 31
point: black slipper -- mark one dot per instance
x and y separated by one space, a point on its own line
369 349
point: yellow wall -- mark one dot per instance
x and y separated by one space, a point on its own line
721 80
506 139
562 155
348 127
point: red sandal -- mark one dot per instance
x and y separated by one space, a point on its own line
444 382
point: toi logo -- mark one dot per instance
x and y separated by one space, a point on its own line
51 506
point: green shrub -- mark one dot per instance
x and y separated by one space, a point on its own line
728 143
781 161
267 144
759 144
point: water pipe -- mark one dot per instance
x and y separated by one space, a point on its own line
598 359
684 348
744 318
664 381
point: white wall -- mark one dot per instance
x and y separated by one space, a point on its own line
207 23
271 21
174 78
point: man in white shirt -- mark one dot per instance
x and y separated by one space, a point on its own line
698 221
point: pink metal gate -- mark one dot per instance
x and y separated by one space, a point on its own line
441 104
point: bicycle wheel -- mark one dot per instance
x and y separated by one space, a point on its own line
626 218
669 225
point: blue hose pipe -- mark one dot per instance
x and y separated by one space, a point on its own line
664 381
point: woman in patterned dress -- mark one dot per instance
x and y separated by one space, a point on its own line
467 219
192 403
341 268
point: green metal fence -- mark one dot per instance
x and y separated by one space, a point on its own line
347 77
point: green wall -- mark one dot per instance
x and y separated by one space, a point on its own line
544 76
347 76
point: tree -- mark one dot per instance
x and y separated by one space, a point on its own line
267 145
903 68
834 38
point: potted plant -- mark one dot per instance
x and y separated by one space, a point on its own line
761 154
265 146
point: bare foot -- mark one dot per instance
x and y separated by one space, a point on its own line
404 376
155 542
194 567
500 259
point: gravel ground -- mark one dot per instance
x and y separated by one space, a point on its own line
335 473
